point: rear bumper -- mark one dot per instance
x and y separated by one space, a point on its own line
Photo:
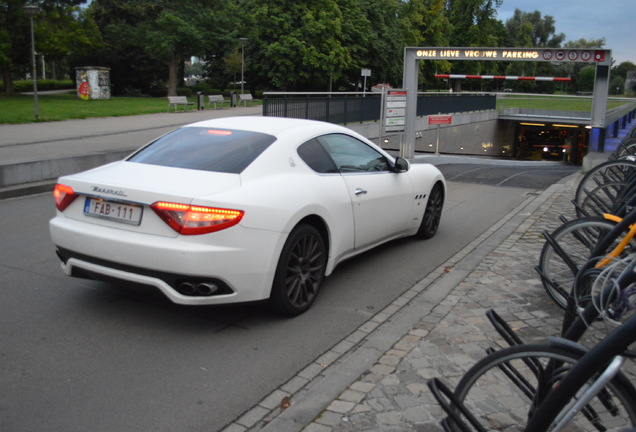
240 263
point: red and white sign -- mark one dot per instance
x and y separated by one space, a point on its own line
440 119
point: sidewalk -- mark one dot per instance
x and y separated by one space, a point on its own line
375 378
33 155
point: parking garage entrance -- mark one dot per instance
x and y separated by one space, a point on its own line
539 141
576 144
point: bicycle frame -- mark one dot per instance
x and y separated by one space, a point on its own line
621 246
589 391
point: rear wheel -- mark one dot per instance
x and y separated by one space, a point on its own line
432 213
300 271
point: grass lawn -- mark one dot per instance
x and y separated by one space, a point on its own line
19 108
560 103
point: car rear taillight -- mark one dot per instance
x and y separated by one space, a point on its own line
192 220
64 196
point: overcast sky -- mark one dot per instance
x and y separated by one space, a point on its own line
614 20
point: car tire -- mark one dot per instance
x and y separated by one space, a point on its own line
300 271
432 214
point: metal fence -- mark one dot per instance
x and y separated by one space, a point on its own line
343 108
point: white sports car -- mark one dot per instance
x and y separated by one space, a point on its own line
241 209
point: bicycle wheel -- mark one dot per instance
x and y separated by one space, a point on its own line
626 148
616 304
570 249
614 171
606 198
618 244
503 389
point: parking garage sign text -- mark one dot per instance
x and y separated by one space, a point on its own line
513 54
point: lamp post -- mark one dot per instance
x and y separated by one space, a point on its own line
32 10
243 41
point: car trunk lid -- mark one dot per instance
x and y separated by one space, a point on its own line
130 188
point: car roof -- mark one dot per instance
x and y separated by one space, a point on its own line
276 126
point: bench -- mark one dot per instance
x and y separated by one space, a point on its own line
247 97
179 100
214 99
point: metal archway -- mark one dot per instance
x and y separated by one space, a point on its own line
602 58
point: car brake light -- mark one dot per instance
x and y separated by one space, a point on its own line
64 196
192 220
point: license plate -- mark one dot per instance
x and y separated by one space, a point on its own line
112 210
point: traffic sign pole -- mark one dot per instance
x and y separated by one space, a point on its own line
439 120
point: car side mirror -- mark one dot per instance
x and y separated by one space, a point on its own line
401 165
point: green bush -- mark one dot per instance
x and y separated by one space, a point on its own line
202 87
158 89
184 91
22 86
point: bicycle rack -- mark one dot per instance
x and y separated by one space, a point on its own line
454 409
502 327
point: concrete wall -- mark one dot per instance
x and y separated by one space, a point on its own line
475 133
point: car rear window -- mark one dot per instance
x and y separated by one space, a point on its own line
207 149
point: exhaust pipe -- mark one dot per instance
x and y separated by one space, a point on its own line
206 288
186 288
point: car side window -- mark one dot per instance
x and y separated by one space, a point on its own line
316 157
352 155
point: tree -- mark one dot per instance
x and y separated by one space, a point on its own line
426 24
172 39
296 45
586 78
529 30
233 64
385 40
619 77
148 41
576 70
474 24
622 69
59 27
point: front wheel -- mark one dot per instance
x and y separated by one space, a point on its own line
432 213
300 271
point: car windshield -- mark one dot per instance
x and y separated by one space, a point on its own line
207 149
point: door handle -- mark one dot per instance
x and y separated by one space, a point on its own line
360 191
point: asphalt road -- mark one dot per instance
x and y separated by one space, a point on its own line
535 175
79 355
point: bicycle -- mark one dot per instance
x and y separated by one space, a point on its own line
589 376
606 187
527 377
568 248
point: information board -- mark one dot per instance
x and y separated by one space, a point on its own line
395 111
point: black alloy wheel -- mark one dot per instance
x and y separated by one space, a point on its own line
432 213
300 271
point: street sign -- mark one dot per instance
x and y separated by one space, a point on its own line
440 119
395 111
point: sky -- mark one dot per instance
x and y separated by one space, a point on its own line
614 20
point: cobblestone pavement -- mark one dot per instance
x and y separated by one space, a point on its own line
392 396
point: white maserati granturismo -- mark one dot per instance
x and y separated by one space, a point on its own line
241 209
